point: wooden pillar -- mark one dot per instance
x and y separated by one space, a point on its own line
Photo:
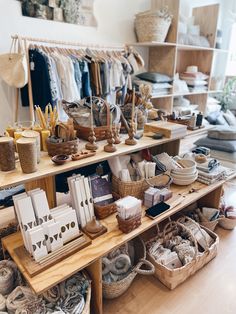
95 273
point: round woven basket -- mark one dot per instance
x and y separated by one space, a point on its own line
211 225
27 150
227 223
149 26
65 148
113 290
7 153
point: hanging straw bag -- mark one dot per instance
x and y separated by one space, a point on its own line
13 65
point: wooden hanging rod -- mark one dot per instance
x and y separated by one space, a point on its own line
67 43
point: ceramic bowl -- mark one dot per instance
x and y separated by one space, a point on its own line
185 181
189 167
183 176
60 159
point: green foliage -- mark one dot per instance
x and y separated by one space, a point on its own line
229 92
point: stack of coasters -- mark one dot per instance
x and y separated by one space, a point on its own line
151 197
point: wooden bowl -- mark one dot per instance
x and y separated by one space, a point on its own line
60 159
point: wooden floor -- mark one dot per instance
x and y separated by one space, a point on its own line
210 291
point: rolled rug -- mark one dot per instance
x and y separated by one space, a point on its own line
2 303
120 264
19 298
9 277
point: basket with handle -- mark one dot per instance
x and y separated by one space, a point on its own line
113 290
137 188
83 132
152 25
171 278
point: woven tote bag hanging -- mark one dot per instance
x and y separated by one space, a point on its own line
13 65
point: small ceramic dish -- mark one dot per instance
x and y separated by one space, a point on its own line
60 159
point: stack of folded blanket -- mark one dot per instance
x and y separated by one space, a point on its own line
160 83
196 81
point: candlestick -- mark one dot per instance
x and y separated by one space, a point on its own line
131 140
92 138
110 147
117 134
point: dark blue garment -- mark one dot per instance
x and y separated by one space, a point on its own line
40 80
86 88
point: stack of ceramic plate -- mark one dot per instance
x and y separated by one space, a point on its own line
186 174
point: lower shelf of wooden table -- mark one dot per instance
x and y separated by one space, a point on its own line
209 195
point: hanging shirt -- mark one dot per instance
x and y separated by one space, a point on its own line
40 80
78 74
86 87
66 73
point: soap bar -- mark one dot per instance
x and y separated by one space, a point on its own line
38 243
165 195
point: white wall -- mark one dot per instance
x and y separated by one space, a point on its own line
115 25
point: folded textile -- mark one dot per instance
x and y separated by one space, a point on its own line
19 297
52 295
9 277
72 304
37 307
2 303
211 167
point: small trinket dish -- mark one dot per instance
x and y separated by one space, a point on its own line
60 159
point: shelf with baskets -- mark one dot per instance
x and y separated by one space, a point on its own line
172 56
208 195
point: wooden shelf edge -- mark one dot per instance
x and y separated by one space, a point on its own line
46 168
102 245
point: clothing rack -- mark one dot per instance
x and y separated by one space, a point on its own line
28 40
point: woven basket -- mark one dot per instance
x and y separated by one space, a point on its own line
171 278
227 223
137 188
103 211
113 290
128 225
100 131
149 26
65 148
211 225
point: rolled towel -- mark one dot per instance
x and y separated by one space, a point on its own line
78 283
106 264
121 264
141 168
73 304
9 277
2 303
52 295
18 298
37 307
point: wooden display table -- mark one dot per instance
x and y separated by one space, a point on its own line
90 257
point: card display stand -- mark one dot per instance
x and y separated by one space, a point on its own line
33 268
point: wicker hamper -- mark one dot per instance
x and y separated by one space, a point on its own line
152 26
171 278
113 290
